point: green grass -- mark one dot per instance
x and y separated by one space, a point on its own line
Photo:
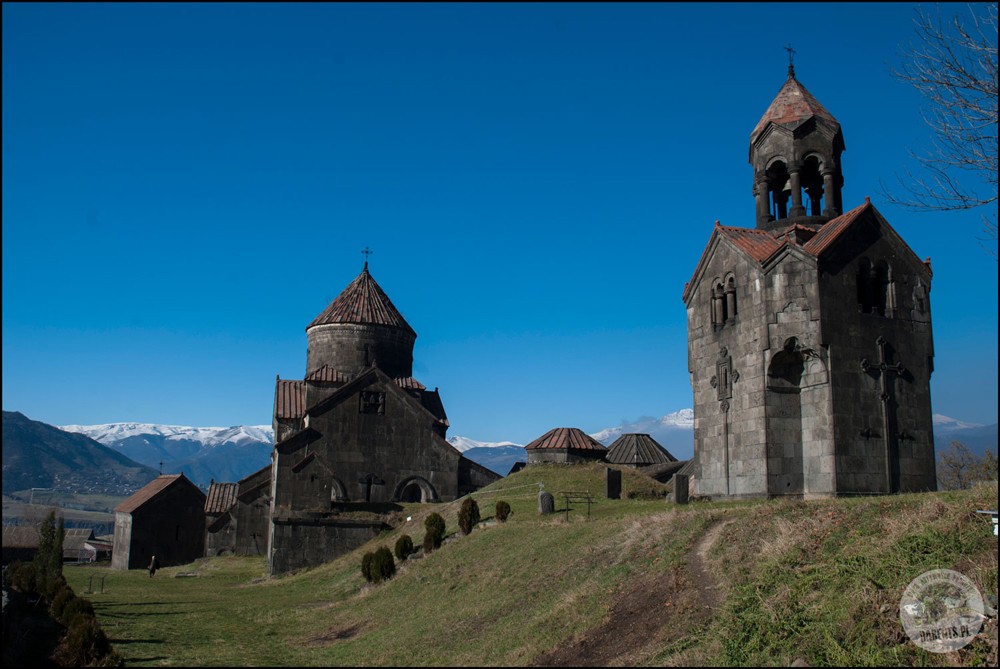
802 580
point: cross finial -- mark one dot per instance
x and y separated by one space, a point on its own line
366 252
791 60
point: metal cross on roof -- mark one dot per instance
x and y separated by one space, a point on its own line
791 59
366 252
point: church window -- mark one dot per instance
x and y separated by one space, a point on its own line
731 299
723 302
779 189
372 402
812 186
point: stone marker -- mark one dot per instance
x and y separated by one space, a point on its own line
546 503
613 483
680 494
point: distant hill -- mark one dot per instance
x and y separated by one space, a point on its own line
201 453
37 455
978 438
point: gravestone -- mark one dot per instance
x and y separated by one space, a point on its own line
680 494
546 503
613 483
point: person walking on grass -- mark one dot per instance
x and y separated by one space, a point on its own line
154 564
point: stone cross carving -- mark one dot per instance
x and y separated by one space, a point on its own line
725 377
368 481
882 369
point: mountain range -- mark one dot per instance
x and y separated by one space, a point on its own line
121 456
37 455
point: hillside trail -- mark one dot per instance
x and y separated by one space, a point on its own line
648 612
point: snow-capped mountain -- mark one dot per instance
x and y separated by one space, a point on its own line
942 422
203 454
208 436
676 428
464 444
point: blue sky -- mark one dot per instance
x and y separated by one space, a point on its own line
186 186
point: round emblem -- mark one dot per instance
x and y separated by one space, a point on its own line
941 610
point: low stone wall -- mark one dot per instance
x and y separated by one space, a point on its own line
310 540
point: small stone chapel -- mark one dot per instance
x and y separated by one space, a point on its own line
809 335
358 433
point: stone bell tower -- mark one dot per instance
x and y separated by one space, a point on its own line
795 152
809 335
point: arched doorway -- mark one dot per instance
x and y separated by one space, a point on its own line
415 489
785 471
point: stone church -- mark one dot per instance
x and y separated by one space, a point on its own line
358 433
809 335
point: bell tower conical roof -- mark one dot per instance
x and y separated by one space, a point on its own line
795 152
792 106
362 302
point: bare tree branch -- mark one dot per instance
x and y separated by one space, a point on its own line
954 67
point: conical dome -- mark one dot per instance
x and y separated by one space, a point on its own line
363 301
791 106
360 328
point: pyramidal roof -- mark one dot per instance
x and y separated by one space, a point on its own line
566 437
363 302
638 449
792 105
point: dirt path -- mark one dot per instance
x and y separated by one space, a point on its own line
648 612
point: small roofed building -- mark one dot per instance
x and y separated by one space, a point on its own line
638 450
565 445
165 518
220 519
20 542
252 509
76 547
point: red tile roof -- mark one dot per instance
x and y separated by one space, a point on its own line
363 301
566 437
289 399
758 244
327 374
409 383
221 497
149 491
792 104
834 228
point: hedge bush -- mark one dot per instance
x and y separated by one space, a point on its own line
434 532
366 566
383 566
404 547
468 515
502 511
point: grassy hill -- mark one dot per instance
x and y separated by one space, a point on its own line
639 582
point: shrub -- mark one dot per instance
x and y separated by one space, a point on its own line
366 566
502 511
86 641
404 547
434 532
468 515
383 566
59 602
77 607
23 577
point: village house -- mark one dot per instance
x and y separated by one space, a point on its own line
165 518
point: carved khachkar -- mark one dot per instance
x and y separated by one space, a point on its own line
882 369
725 377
